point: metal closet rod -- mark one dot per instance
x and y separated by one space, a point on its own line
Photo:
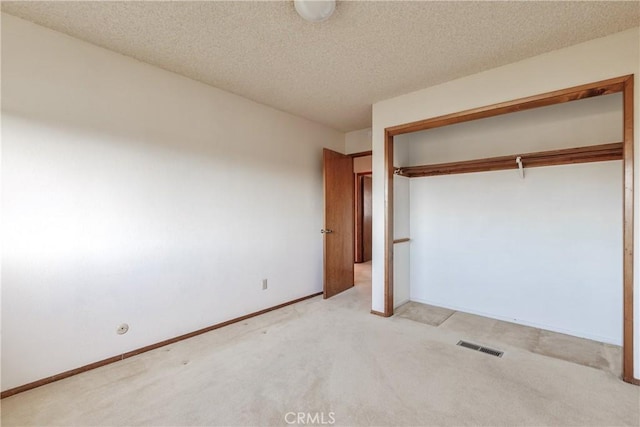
587 154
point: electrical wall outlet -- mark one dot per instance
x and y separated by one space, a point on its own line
264 284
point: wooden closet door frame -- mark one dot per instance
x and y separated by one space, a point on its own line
622 84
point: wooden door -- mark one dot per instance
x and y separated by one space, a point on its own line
366 218
338 223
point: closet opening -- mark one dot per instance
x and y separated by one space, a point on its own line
519 216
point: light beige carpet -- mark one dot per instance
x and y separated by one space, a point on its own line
423 313
496 333
333 358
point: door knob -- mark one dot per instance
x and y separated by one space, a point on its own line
326 231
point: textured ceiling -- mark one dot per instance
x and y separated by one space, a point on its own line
330 72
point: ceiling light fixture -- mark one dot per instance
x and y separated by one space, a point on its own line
315 10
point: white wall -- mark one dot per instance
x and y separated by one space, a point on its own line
357 141
590 121
401 230
617 55
362 164
545 251
131 194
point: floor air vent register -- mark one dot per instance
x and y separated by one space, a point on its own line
476 347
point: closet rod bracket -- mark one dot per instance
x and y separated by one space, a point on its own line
520 167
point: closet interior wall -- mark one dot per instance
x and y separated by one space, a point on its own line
543 251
